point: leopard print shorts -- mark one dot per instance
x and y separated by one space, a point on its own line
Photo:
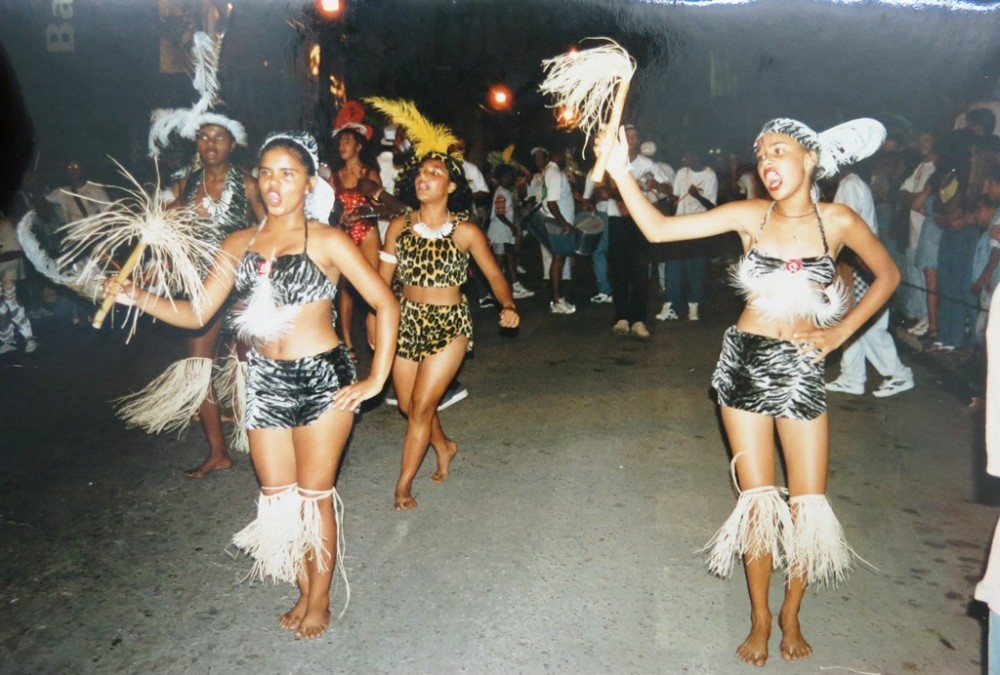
426 329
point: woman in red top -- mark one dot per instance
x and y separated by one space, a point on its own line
354 212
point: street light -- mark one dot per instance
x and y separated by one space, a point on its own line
329 10
499 97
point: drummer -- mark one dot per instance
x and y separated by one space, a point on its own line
502 231
558 211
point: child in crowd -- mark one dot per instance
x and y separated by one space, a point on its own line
985 263
957 306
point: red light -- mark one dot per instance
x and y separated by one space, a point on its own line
500 97
329 9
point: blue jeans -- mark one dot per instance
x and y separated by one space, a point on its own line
957 306
600 259
674 274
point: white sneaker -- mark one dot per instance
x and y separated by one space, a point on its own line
7 347
487 301
893 385
520 292
602 299
640 331
919 328
692 311
561 307
842 387
452 395
667 313
30 345
620 327
521 270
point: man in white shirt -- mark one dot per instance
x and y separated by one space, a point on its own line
875 344
697 190
80 198
912 193
558 211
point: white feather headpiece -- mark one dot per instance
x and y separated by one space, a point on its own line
186 121
842 145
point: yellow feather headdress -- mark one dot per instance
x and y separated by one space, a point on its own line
425 135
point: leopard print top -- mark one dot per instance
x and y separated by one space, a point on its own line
429 263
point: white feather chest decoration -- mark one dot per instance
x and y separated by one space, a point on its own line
788 293
262 319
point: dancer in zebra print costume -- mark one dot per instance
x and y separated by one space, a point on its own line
769 376
301 389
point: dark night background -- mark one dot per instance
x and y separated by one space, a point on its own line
709 73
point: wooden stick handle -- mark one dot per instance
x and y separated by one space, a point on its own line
611 131
116 285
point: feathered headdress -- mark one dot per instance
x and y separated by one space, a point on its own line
352 116
426 136
842 145
187 121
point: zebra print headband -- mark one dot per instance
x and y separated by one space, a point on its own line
302 139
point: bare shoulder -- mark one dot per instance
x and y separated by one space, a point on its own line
327 233
249 182
237 243
745 214
466 231
839 217
396 225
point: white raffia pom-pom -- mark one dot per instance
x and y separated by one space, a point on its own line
819 552
170 401
586 81
273 540
758 526
230 380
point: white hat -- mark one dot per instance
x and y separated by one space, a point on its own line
539 148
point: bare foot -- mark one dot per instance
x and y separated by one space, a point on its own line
793 646
444 461
314 624
754 648
292 619
405 500
209 465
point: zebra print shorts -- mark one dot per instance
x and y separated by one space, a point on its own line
768 376
286 394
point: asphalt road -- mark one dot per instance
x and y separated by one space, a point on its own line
590 470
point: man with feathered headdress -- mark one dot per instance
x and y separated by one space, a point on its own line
227 196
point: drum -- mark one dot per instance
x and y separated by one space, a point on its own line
591 227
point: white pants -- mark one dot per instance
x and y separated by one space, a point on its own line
875 345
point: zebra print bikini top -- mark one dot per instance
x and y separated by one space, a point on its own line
294 279
270 292
796 288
